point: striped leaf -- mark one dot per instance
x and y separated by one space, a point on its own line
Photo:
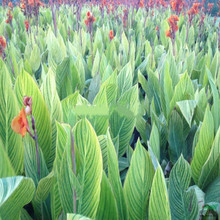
122 118
16 192
41 194
114 179
211 168
76 217
25 86
107 205
6 168
89 169
183 203
159 207
155 141
138 183
203 146
63 172
55 109
212 193
12 142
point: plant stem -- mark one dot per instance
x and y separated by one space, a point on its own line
36 143
74 170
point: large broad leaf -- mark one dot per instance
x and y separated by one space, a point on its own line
216 101
6 168
183 204
159 207
55 109
175 137
65 180
138 183
154 141
89 169
107 205
183 91
12 142
43 189
114 179
25 86
15 193
122 119
125 79
212 193
187 107
203 146
211 168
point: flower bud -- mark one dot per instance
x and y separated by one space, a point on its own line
27 101
28 110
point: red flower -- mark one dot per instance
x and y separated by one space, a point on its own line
157 28
173 19
26 25
10 5
111 35
20 123
2 45
141 4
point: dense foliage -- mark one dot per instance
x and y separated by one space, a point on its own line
109 111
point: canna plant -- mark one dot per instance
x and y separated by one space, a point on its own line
107 118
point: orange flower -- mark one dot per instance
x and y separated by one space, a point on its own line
10 5
26 25
88 14
111 35
168 33
141 4
20 123
2 45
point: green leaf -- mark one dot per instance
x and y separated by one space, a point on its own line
187 107
216 101
114 179
203 146
212 193
211 168
183 203
25 86
155 141
184 90
175 137
122 118
107 205
138 183
11 141
125 79
55 109
89 169
16 192
43 189
159 207
6 168
76 217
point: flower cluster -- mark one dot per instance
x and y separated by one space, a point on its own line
10 5
141 4
210 7
177 5
2 46
173 19
26 25
125 17
111 35
10 16
89 21
193 11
